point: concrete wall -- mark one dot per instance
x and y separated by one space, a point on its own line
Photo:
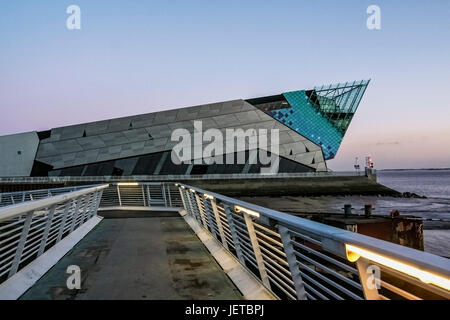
17 153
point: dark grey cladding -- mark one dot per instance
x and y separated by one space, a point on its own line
130 141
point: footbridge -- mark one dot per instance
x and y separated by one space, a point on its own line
165 240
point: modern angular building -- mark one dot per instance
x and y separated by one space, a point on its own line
311 123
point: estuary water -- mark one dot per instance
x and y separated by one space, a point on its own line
435 185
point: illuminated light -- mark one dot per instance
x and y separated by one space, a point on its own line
247 211
208 196
176 184
353 254
192 190
128 184
182 187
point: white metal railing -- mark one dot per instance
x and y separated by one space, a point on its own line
301 259
181 177
10 198
141 194
30 228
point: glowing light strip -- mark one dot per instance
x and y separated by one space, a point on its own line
353 254
248 211
128 184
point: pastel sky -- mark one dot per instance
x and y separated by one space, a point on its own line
133 57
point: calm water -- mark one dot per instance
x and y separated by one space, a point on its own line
430 183
434 184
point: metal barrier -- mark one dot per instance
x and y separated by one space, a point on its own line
10 198
172 177
141 194
30 228
297 258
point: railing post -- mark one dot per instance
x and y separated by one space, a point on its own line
48 224
99 199
118 195
207 212
292 262
143 194
87 207
63 220
163 189
149 199
193 211
256 250
169 196
75 213
187 198
93 205
200 210
180 189
234 235
21 244
219 223
370 291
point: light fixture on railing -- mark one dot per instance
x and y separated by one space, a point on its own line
208 196
176 184
183 187
354 252
192 190
128 184
247 211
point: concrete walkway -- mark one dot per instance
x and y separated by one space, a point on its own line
149 256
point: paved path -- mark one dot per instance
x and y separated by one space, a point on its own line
152 257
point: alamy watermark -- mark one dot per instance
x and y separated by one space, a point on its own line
212 147
374 20
73 22
74 279
373 281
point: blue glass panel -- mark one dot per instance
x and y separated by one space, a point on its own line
304 118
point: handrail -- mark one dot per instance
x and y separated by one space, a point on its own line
416 266
421 259
11 198
31 228
170 177
19 209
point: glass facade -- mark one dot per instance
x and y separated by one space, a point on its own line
321 115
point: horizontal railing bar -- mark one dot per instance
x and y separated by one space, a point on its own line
270 263
266 229
305 237
329 281
281 253
399 291
9 232
20 208
325 257
278 243
278 283
273 255
331 271
321 286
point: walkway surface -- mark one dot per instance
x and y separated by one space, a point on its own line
147 255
